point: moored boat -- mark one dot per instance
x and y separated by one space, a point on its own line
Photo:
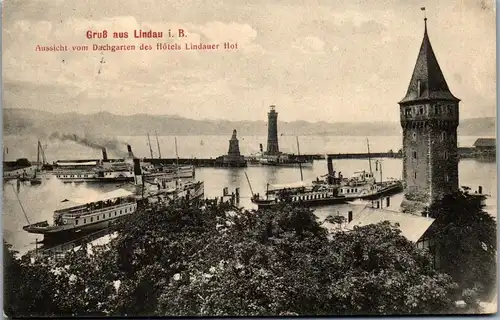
362 185
77 216
107 171
78 171
331 189
168 173
81 215
280 160
299 193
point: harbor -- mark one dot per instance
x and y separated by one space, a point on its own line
294 173
40 201
322 179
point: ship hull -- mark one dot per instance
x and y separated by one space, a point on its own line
387 191
268 204
56 235
295 165
161 176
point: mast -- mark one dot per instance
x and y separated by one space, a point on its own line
150 149
381 177
300 164
248 180
38 155
158 144
176 154
20 203
369 158
177 157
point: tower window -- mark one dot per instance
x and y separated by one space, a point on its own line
446 178
419 88
421 110
443 136
437 110
414 154
408 112
446 155
415 175
414 136
450 110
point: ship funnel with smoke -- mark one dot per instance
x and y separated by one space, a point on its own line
96 143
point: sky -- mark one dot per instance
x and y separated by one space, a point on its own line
316 60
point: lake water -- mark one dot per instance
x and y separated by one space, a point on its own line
40 201
201 146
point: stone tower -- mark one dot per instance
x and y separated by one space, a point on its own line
233 157
234 146
272 132
429 117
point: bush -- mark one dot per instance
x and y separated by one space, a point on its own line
217 260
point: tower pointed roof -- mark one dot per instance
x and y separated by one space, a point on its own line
427 81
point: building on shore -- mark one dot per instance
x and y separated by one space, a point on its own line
414 228
429 117
485 147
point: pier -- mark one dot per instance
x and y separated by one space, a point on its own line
365 155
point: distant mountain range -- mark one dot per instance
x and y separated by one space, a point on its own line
30 121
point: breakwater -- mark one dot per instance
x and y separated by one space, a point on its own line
365 155
463 153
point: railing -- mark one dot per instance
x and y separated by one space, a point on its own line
89 210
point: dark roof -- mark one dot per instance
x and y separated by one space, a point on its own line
427 70
485 142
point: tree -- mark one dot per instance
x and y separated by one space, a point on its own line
207 259
273 268
381 272
28 285
465 237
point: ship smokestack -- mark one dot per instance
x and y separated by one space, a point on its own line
104 154
130 153
330 170
137 172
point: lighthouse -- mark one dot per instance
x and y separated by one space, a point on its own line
272 132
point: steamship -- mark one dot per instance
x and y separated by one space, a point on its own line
279 159
298 193
330 190
79 216
108 170
282 160
168 173
77 171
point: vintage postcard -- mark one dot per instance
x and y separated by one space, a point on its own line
249 158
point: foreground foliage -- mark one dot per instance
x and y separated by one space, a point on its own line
218 260
466 240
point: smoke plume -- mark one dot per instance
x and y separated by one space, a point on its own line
113 145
